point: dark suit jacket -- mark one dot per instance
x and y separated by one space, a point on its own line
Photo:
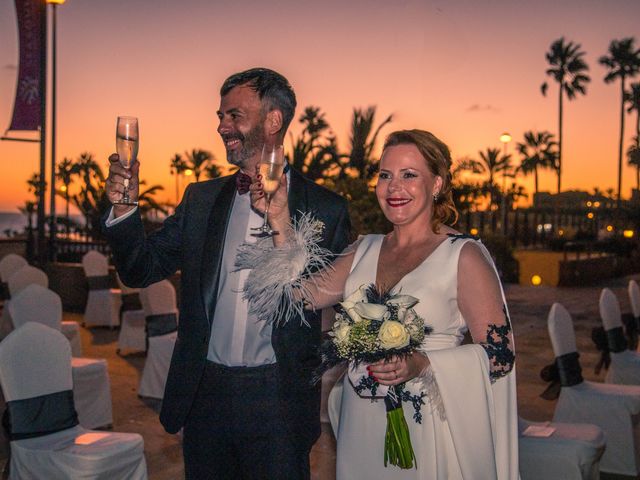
192 241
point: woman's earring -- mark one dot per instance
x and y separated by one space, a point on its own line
435 196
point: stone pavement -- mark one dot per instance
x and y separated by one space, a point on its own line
528 307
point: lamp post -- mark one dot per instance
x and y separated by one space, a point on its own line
505 138
52 205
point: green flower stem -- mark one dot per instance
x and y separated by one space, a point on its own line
397 443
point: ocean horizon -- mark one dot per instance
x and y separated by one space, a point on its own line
16 222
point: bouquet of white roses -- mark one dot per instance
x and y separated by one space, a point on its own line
370 326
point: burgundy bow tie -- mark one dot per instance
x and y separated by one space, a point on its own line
243 182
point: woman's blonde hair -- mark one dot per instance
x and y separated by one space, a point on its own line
438 158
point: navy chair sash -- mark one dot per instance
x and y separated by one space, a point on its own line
130 301
161 324
100 282
565 371
4 291
38 416
631 329
616 340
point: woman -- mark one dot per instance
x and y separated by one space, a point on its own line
469 424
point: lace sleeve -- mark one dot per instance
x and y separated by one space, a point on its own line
297 276
481 303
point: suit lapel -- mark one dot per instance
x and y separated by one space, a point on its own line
214 244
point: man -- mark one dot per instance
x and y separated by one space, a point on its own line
240 388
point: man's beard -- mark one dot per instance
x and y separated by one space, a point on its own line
251 144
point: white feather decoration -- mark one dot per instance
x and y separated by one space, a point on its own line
275 288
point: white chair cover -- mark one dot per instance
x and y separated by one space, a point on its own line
23 277
95 264
610 310
91 391
634 298
36 303
35 361
625 366
10 264
71 330
103 306
132 332
156 365
158 299
571 452
613 408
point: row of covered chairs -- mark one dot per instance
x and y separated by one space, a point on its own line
91 385
614 408
151 327
47 436
621 361
19 275
149 323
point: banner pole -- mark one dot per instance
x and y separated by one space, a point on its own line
42 243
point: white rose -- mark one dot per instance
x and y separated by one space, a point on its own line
392 334
372 311
341 332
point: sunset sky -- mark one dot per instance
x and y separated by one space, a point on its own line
465 70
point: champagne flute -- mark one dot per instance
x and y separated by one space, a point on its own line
271 168
127 140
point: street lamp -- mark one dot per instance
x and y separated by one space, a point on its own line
505 138
52 205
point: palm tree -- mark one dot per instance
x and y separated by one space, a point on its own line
633 98
147 203
537 151
623 62
568 68
302 146
363 140
212 171
91 199
65 174
633 159
197 160
313 152
177 166
34 186
493 162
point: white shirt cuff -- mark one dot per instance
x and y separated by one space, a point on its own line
112 220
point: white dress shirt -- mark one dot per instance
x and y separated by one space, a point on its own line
237 338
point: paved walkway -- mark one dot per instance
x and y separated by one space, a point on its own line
528 307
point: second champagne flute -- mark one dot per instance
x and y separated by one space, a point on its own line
271 168
127 140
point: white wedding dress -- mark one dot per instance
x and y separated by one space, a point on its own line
475 437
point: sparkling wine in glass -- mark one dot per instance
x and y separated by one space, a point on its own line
127 140
271 168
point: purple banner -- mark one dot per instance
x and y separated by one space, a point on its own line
27 109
